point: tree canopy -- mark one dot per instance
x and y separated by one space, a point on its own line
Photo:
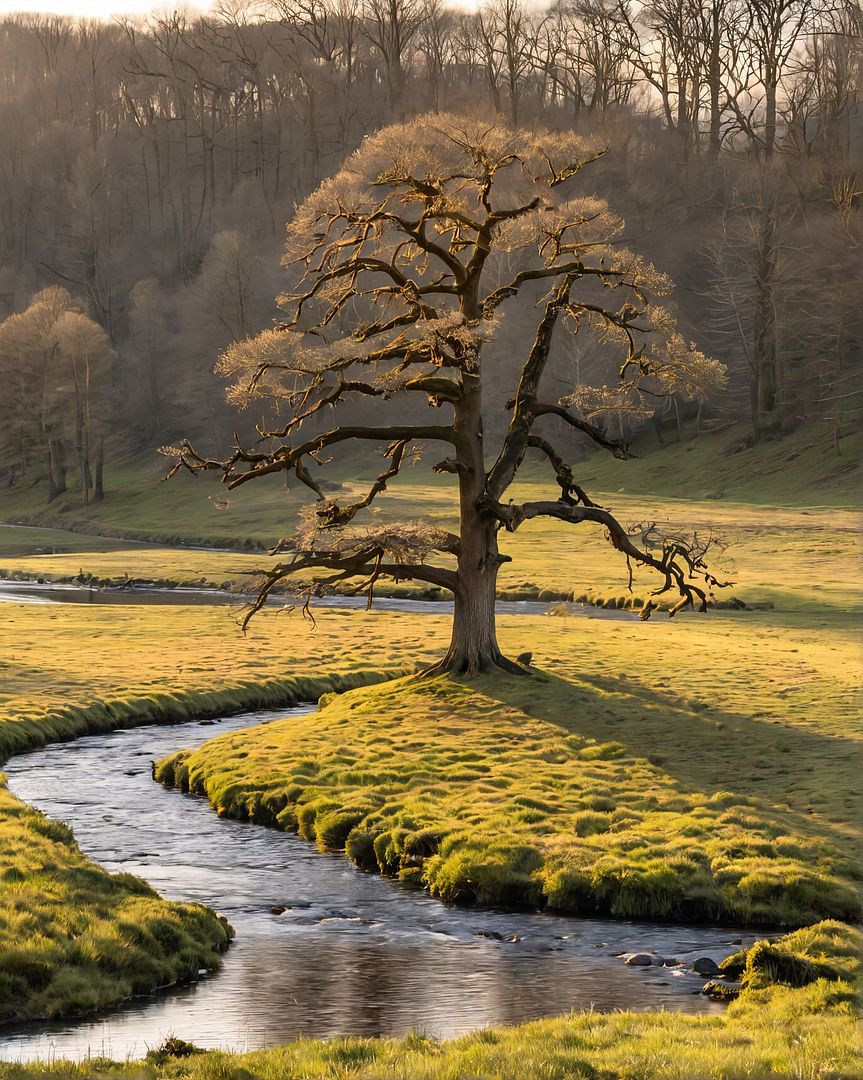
403 268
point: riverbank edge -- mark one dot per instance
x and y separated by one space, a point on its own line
17 736
338 819
205 934
795 1015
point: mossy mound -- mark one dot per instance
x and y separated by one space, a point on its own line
74 938
503 791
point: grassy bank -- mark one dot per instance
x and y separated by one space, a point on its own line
796 1017
716 779
74 938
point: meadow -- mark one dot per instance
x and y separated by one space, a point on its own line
700 768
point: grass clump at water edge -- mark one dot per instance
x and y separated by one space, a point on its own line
74 938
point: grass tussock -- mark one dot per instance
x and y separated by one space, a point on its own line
73 938
772 1030
511 791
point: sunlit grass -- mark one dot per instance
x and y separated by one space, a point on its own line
802 470
584 793
74 938
690 768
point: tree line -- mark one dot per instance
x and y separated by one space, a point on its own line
148 169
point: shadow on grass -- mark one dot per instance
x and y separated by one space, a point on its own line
803 780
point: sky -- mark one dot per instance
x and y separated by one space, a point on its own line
93 9
107 9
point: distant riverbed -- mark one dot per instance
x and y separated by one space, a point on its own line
32 592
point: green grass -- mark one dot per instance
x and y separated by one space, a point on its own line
800 471
74 938
586 790
796 559
786 508
22 541
774 1029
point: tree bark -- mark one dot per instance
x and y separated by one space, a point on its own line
473 647
765 353
714 82
99 487
56 469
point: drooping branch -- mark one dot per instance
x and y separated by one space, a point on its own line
395 551
334 514
681 563
563 473
285 458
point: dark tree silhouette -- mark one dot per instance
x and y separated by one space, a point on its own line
403 262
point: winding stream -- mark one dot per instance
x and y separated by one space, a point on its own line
352 954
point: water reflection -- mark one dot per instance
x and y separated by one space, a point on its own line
32 592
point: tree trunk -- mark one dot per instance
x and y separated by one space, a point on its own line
99 487
770 118
474 648
56 469
714 82
764 346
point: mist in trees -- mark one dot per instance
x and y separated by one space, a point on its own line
149 167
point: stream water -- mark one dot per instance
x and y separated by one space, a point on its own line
352 954
32 592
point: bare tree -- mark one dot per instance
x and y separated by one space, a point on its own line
226 283
391 26
774 30
406 259
509 33
54 360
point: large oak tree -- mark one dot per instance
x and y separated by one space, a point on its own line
402 266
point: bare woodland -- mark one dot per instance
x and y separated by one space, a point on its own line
148 169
